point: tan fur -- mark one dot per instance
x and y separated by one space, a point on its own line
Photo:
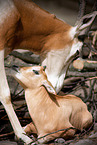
49 111
50 32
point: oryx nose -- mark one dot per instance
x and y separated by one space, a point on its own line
15 67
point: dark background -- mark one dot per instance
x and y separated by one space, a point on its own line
66 10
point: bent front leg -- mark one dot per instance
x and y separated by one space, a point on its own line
6 101
30 128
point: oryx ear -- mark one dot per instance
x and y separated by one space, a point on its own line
85 21
49 87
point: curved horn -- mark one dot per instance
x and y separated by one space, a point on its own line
81 12
85 22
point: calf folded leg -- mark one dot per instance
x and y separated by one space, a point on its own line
82 119
30 128
87 119
66 132
6 101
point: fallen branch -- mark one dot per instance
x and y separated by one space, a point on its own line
81 74
28 57
81 64
94 37
70 83
6 134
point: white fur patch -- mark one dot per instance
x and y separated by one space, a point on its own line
4 89
76 46
73 32
57 63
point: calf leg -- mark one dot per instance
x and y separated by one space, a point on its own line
82 119
87 119
6 101
68 130
30 128
68 133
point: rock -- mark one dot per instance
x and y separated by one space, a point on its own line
59 140
84 142
93 136
13 85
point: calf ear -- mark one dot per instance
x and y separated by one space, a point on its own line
49 87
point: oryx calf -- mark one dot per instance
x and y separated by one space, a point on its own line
49 111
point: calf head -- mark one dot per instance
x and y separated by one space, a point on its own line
32 77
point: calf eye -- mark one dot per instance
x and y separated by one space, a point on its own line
36 72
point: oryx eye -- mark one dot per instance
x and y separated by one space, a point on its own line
36 72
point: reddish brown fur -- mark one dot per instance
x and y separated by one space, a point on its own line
24 25
50 32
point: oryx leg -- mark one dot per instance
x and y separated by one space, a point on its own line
6 101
